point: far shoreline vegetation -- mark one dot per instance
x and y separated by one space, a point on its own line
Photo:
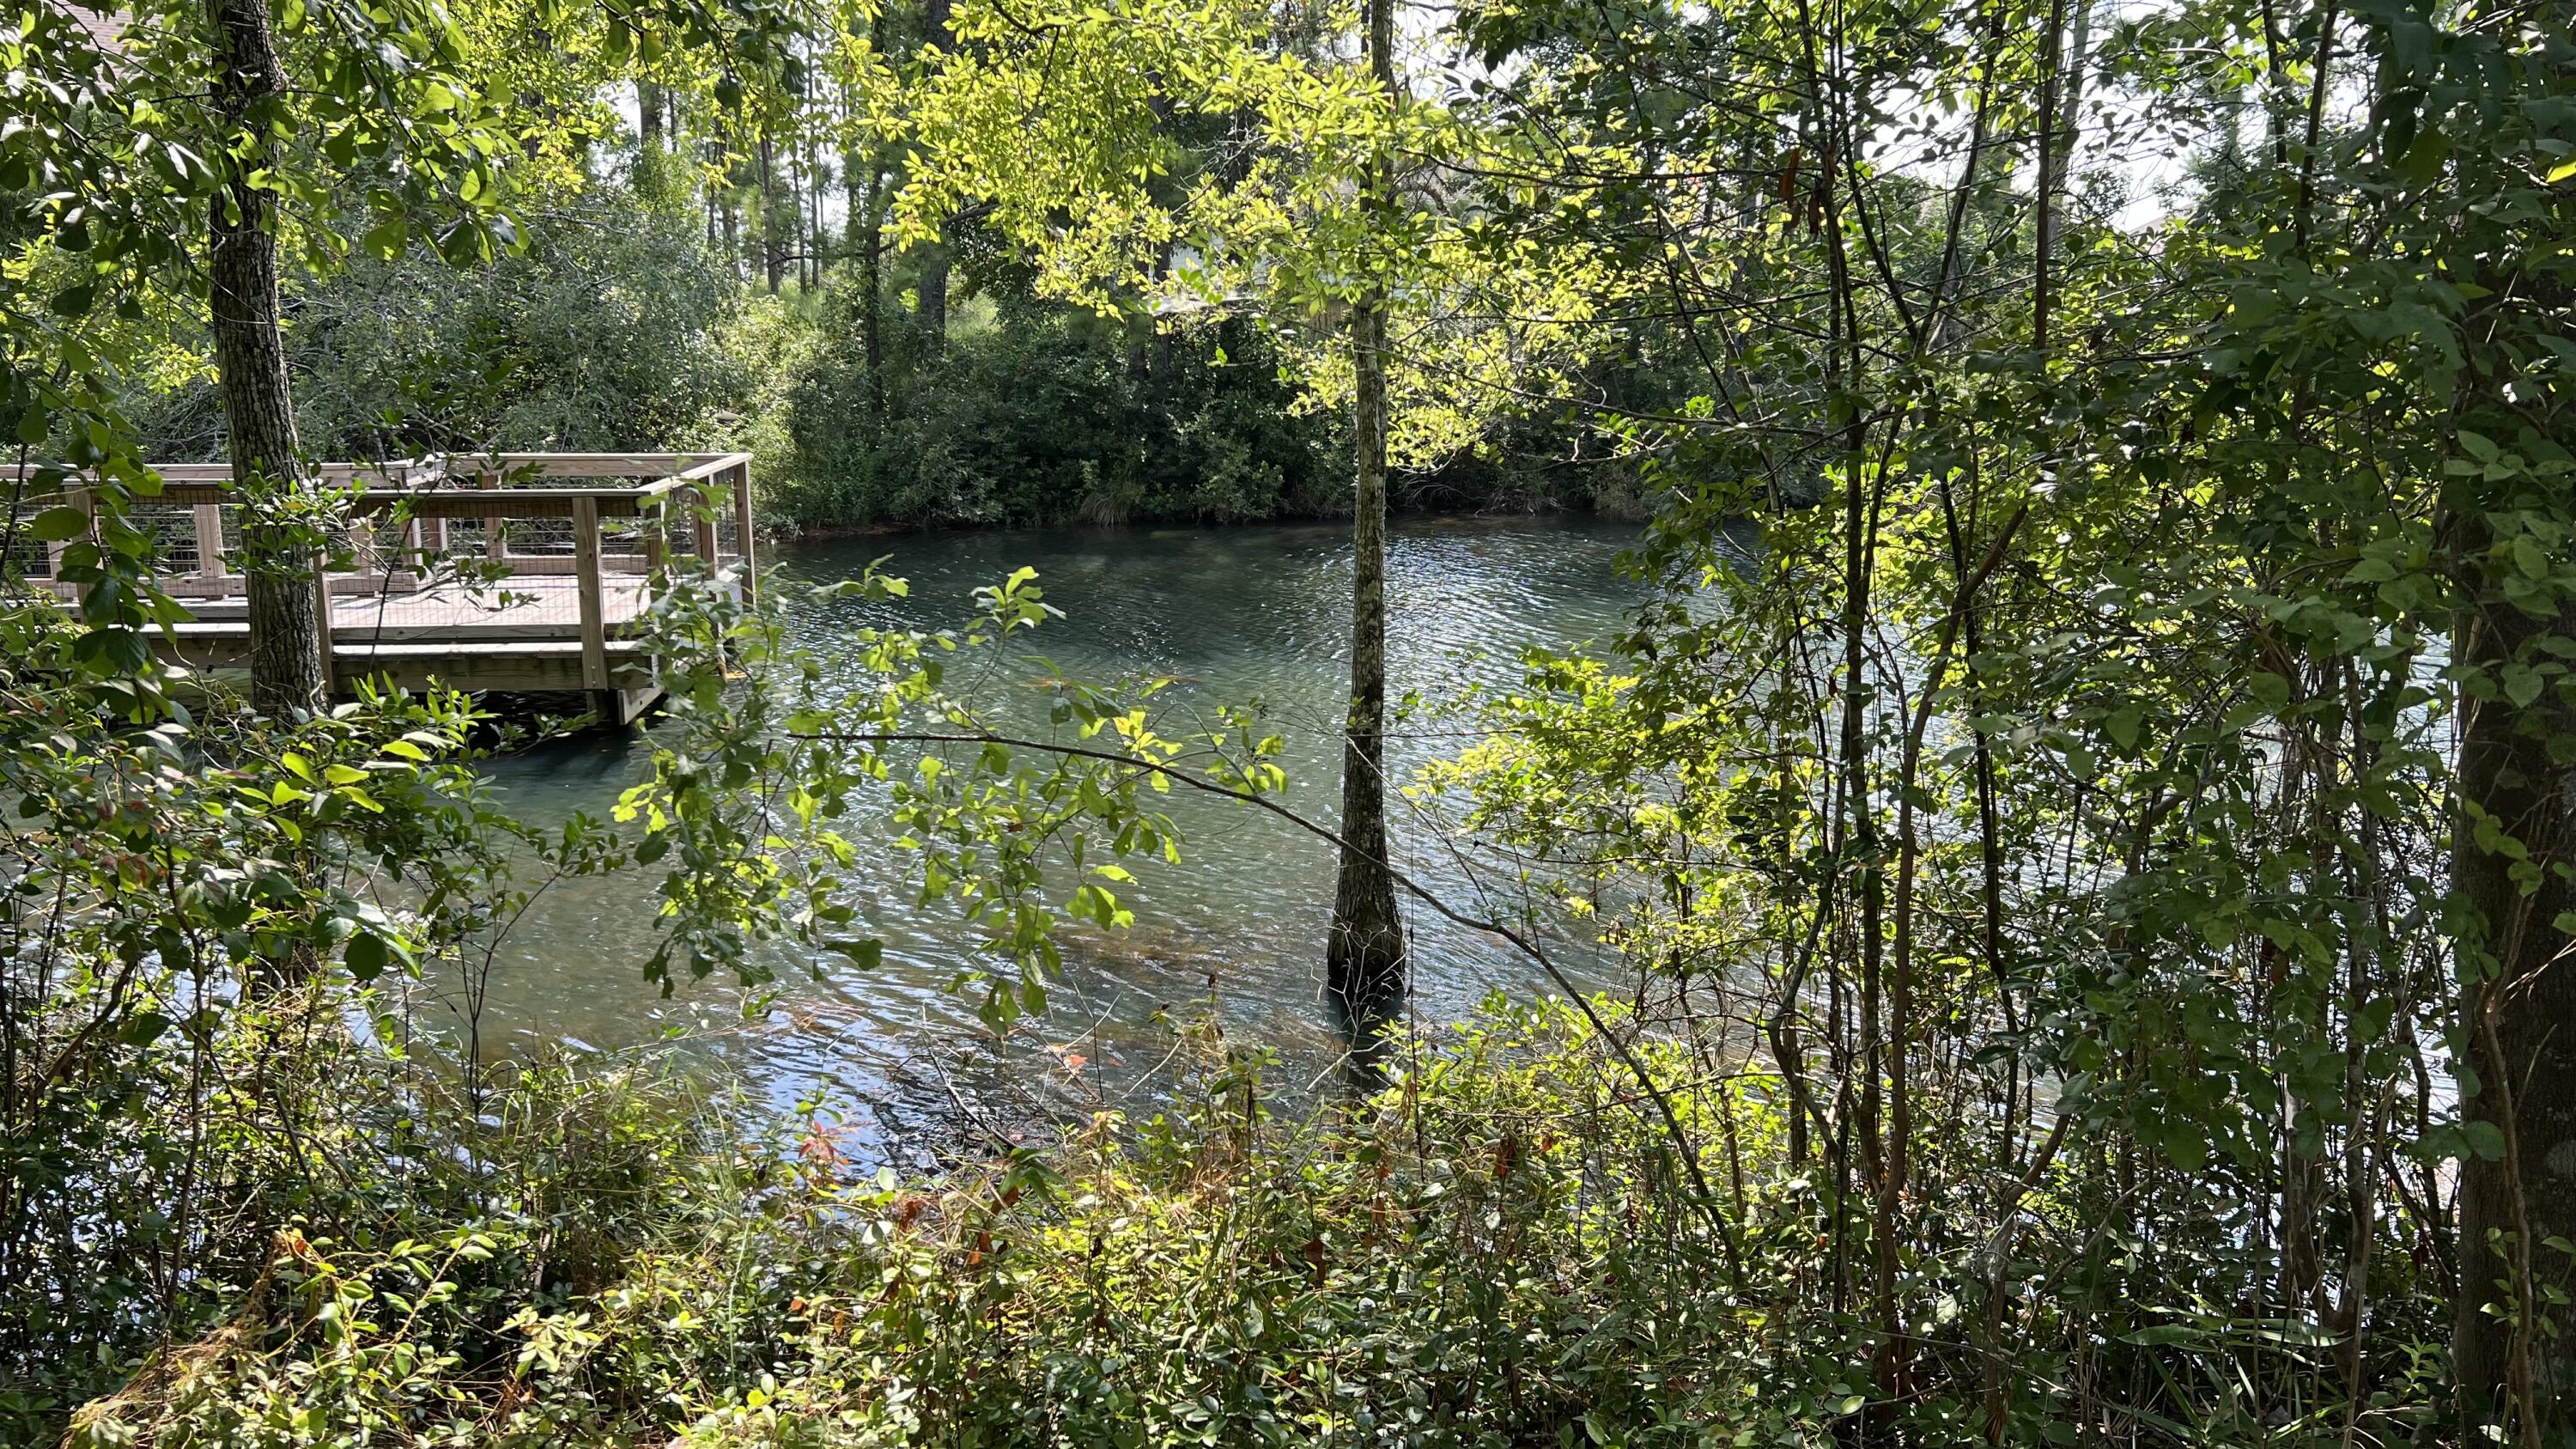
1028 412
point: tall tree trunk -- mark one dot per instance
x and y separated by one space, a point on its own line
2517 1026
286 625
648 115
1364 954
817 178
773 257
931 310
867 240
931 288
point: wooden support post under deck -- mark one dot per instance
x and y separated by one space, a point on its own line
594 629
742 531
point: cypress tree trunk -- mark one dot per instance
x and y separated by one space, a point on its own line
286 628
1364 954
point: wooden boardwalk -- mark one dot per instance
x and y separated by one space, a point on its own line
511 572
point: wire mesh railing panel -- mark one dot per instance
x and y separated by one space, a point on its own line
29 557
172 528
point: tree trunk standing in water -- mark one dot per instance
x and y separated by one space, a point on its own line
1364 955
286 627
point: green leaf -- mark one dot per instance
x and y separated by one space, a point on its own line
58 525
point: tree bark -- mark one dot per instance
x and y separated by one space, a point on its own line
772 255
867 241
2517 1029
931 288
288 650
1364 953
649 110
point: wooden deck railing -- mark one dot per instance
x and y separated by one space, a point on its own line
593 525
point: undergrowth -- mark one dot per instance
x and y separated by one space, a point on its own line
1500 1247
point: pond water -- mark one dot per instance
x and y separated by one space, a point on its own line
1235 614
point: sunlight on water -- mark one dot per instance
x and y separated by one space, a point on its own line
1235 614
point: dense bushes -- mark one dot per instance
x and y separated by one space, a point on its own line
615 330
1037 414
1040 415
619 329
1498 1249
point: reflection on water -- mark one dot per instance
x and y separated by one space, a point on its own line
1237 614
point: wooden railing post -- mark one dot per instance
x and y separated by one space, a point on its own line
209 520
322 617
79 499
594 630
362 546
743 533
496 543
703 513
